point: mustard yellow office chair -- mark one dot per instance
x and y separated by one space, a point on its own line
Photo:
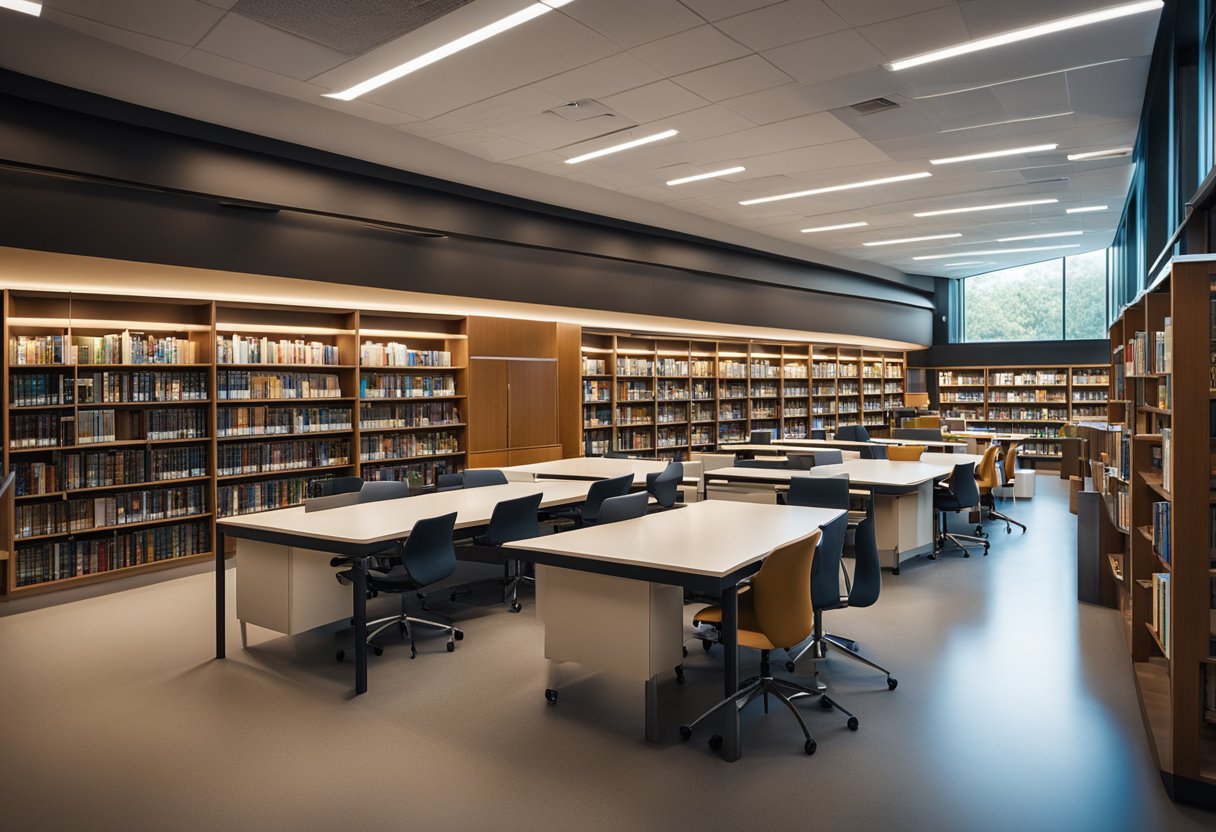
905 453
987 479
1010 465
775 613
923 422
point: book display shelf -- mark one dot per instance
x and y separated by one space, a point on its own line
132 425
1037 401
656 396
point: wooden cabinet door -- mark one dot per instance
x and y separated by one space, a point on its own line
487 410
532 404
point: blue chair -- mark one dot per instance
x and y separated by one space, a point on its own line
819 492
588 513
481 477
819 433
665 485
960 494
761 463
761 437
511 520
800 461
449 482
625 507
829 456
377 490
339 485
852 433
873 451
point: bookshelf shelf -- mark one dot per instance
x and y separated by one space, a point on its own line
181 518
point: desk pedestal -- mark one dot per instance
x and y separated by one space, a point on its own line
903 525
286 589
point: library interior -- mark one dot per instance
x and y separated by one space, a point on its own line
560 410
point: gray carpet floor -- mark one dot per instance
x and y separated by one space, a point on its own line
1015 711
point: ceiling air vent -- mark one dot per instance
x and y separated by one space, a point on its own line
582 110
874 105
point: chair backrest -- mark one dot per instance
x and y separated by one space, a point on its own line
601 490
624 507
819 492
312 504
377 490
1011 461
922 422
985 473
905 453
950 423
825 576
867 568
449 482
760 463
339 485
479 477
828 456
873 451
616 455
963 485
665 485
852 433
761 437
514 520
800 460
818 433
780 592
922 434
428 554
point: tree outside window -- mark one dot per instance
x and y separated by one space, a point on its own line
1052 300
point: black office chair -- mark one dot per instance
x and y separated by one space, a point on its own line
818 433
377 490
828 457
588 513
800 461
873 451
616 455
480 477
339 485
426 557
624 507
449 482
511 520
919 434
665 485
761 437
852 433
961 494
761 463
818 492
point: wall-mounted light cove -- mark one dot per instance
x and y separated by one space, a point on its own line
1060 25
840 227
996 206
995 251
23 6
832 188
1003 123
698 177
1040 236
473 38
912 240
617 148
1109 153
994 154
1086 209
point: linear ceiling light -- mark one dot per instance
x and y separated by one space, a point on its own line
994 154
24 6
1087 209
448 49
850 186
617 148
1006 121
1109 153
964 263
840 227
1060 25
993 207
1040 236
994 251
698 177
911 240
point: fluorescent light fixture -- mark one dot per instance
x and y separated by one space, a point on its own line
698 177
463 42
617 148
840 227
911 240
994 154
1006 121
1088 209
24 6
993 207
831 188
1060 25
1109 153
964 263
994 251
1040 236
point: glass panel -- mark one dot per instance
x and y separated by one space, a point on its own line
1025 303
1085 295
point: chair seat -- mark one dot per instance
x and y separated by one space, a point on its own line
394 580
749 628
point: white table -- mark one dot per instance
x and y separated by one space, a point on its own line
848 449
944 444
610 597
849 443
586 468
285 582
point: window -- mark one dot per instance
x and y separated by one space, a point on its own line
1085 295
1048 301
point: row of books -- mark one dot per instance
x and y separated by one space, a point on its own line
1150 352
57 430
794 370
732 369
632 439
99 469
254 350
669 437
1027 377
949 378
595 366
672 367
1160 620
36 349
280 455
1091 376
125 348
1162 518
116 386
1036 396
40 389
634 366
396 386
1029 413
1096 395
93 426
385 446
417 474
273 420
41 430
263 495
796 391
234 385
393 354
763 369
56 560
1167 473
430 414
61 517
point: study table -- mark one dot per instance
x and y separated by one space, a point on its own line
847 449
944 444
611 597
284 580
586 468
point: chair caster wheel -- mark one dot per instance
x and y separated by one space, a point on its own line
379 651
453 596
413 652
515 607
551 696
680 674
809 747
790 667
340 656
1008 530
451 647
706 644
424 607
895 571
931 557
460 635
684 650
685 733
853 723
825 703
966 554
892 684
715 742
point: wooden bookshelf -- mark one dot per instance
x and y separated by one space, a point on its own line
655 395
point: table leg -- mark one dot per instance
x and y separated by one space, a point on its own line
358 574
731 747
652 709
220 592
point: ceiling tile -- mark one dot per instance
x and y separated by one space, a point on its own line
990 17
718 9
830 56
803 131
250 76
864 12
733 78
630 23
613 74
257 44
696 48
517 104
180 21
917 33
549 131
819 157
783 23
653 101
156 47
707 122
772 105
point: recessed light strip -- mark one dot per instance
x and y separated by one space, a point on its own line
994 251
832 188
23 6
1087 209
993 207
1040 236
448 49
912 240
840 227
1060 25
1109 153
1006 121
617 148
994 154
698 177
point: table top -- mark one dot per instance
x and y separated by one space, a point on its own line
587 468
715 538
783 450
983 434
366 523
865 472
950 459
932 443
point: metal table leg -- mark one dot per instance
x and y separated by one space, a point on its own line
731 747
220 593
358 573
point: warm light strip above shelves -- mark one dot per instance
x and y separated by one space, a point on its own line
405 333
100 323
283 329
